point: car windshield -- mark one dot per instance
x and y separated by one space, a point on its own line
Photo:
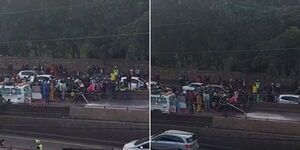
16 91
4 91
191 139
42 78
28 73
194 85
153 100
10 91
138 142
161 100
143 80
290 98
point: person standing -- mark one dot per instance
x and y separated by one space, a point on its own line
199 102
116 71
277 86
130 75
258 89
190 96
46 91
63 88
52 90
52 69
206 98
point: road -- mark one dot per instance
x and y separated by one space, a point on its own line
17 141
224 139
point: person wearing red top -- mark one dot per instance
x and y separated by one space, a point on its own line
52 69
190 97
199 79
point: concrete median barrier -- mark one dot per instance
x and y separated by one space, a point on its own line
265 126
34 111
106 131
274 107
128 115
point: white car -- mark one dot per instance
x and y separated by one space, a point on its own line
28 74
44 77
136 82
192 86
142 144
288 99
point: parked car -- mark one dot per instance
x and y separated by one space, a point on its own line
288 99
218 89
136 83
27 74
192 86
44 77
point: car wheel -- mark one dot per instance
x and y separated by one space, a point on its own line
157 111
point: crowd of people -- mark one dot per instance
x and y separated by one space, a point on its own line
235 91
71 83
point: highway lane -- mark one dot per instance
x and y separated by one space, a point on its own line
224 139
17 141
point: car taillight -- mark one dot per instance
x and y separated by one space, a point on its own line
188 146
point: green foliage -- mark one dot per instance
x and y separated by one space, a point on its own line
56 19
203 34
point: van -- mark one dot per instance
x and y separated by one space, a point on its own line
16 93
164 103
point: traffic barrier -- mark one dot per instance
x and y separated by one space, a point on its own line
106 132
128 115
37 102
266 126
274 107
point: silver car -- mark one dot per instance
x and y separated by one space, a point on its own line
288 99
142 144
175 140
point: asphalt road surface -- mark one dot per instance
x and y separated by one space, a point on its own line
16 141
227 139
